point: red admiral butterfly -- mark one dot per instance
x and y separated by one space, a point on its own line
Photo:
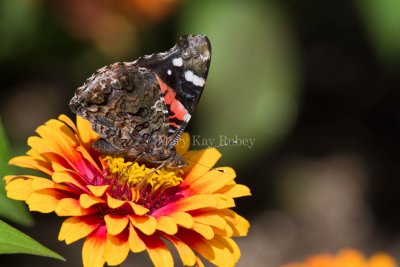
141 108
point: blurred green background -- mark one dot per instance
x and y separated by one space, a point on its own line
315 84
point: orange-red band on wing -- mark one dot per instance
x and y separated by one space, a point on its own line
176 108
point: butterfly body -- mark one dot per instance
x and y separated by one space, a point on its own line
141 108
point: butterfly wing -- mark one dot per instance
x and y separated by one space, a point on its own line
181 73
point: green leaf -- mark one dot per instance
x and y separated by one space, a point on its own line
10 209
13 241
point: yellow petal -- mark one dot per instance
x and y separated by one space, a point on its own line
86 133
139 210
213 180
75 228
71 207
185 252
114 203
98 191
213 250
135 242
167 225
235 190
183 219
86 201
115 223
44 201
158 252
224 202
188 204
93 250
199 162
239 225
183 144
117 249
18 187
146 224
199 263
42 183
204 230
31 163
67 177
211 219
232 246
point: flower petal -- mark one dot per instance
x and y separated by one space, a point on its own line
185 252
183 219
167 225
31 163
135 242
86 201
211 219
117 249
187 204
146 224
183 144
235 190
213 250
115 223
158 251
19 187
199 162
204 230
75 228
213 180
71 207
86 133
98 191
94 247
44 200
68 177
382 260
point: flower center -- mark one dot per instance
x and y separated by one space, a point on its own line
148 183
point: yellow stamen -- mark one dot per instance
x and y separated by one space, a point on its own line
133 174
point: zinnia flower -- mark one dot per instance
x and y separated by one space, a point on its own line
347 258
120 206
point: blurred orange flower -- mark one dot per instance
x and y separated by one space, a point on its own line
347 258
120 206
111 25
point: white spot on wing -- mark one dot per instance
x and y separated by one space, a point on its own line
169 72
178 62
187 117
196 80
189 75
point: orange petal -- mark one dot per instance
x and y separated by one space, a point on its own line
213 250
114 203
115 223
185 252
117 249
239 225
93 248
135 242
86 201
211 219
199 263
187 204
167 225
71 207
18 187
224 202
235 190
31 163
98 191
86 133
382 260
68 177
231 245
213 180
139 210
75 228
146 224
204 230
199 162
44 201
158 252
183 219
